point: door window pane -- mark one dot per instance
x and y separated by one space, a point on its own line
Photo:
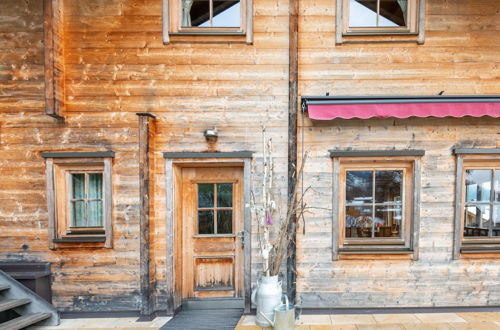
224 222
388 186
206 222
359 187
205 195
478 185
224 195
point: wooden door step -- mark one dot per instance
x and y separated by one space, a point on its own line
24 321
13 303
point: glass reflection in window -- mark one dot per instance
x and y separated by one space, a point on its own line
373 203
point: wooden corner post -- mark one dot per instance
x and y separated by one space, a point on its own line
52 25
292 144
145 123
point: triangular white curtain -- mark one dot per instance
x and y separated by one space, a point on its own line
186 10
404 7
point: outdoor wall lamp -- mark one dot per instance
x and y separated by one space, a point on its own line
211 134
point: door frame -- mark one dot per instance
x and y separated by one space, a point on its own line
174 162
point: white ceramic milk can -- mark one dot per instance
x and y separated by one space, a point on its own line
266 296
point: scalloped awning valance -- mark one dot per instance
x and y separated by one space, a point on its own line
346 107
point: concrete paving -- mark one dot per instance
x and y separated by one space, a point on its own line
416 321
403 321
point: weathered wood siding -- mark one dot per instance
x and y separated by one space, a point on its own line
460 56
116 65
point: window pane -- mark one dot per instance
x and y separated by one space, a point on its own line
225 195
388 186
205 195
224 222
477 220
95 185
206 222
358 221
94 214
78 186
478 185
497 186
77 211
195 13
359 186
226 13
393 13
362 13
496 220
388 221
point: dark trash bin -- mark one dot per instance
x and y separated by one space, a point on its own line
33 275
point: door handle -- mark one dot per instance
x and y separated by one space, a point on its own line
241 236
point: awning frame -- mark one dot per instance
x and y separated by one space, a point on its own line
309 100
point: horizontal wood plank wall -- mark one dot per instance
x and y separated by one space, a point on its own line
460 56
116 65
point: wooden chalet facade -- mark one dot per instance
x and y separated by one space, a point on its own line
131 140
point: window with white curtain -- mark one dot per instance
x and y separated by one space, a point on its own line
380 16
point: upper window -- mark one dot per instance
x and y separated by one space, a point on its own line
79 197
207 17
478 200
375 202
380 17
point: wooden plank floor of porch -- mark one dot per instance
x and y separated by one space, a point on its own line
205 319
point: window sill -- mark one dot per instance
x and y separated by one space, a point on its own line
208 33
358 37
81 239
374 250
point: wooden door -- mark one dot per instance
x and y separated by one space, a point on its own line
212 225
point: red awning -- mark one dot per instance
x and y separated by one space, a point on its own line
325 108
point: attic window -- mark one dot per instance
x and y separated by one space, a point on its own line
211 13
379 18
226 19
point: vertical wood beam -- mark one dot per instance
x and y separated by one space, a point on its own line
416 207
145 122
170 238
457 230
247 252
51 24
292 143
335 208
